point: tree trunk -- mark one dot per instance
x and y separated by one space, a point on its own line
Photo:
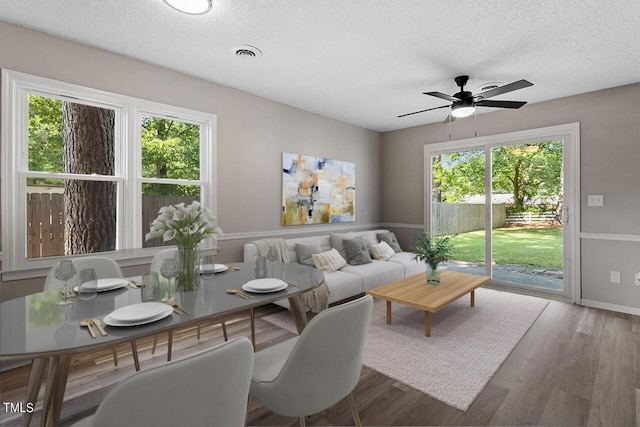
518 198
90 206
437 191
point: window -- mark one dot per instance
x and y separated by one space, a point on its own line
86 171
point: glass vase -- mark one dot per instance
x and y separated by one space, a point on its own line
433 274
187 279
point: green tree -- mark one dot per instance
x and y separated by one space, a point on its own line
457 175
45 135
170 149
528 171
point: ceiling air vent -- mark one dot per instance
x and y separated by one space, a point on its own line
246 51
488 86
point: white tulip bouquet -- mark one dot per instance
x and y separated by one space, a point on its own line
188 225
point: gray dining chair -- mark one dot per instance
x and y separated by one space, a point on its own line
315 370
209 388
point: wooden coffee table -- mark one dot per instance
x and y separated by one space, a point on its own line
415 292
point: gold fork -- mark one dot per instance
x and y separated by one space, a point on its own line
178 306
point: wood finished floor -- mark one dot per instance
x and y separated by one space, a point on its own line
576 366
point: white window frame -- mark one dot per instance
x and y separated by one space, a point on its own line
14 154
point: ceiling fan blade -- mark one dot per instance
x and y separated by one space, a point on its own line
442 96
520 84
422 111
500 104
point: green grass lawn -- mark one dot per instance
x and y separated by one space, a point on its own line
532 247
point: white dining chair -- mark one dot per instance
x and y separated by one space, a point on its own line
105 268
209 388
156 266
312 372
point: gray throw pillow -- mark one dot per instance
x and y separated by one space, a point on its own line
305 250
356 251
336 241
390 239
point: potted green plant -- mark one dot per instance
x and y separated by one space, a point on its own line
432 251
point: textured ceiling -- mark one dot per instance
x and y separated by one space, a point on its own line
365 61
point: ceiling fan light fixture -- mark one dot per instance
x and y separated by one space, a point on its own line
191 7
462 111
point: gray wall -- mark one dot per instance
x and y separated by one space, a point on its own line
609 159
252 133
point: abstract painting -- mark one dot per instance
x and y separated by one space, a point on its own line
317 190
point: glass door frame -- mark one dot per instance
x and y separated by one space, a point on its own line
570 135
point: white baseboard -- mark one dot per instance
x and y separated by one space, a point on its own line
611 307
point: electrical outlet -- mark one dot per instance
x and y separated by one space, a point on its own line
614 277
595 200
637 281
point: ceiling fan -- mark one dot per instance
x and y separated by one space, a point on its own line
464 102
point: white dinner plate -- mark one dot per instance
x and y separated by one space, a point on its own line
108 320
264 285
217 268
138 312
109 284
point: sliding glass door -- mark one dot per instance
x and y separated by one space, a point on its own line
507 201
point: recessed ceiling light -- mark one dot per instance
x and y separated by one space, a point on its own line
192 7
246 51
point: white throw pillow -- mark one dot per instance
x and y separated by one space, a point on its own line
381 251
329 261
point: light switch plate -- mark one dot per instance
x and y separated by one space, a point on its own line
615 277
595 200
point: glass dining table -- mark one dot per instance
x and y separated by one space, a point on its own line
35 327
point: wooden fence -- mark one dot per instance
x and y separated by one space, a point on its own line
530 217
452 218
45 221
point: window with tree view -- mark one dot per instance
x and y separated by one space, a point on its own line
69 209
86 171
170 167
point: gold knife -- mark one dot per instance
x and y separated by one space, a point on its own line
99 326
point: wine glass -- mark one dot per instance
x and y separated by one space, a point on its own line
88 284
272 257
169 270
206 267
64 271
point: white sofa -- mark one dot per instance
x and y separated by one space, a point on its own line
352 280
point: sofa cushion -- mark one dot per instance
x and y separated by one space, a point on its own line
376 273
329 261
408 261
336 241
356 251
391 240
305 250
381 251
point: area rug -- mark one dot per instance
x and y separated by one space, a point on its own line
466 347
